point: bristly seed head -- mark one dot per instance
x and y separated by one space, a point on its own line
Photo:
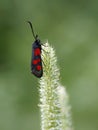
50 105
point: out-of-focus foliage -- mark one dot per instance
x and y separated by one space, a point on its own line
72 28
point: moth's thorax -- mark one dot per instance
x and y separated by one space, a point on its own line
36 44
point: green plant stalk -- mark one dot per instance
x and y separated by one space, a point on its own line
51 104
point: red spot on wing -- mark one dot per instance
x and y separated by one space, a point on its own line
36 61
38 67
37 51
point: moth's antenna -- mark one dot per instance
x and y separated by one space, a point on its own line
35 36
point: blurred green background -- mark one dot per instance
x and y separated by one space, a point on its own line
71 27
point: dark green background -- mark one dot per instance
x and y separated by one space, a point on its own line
71 27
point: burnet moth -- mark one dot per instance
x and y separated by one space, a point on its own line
36 61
